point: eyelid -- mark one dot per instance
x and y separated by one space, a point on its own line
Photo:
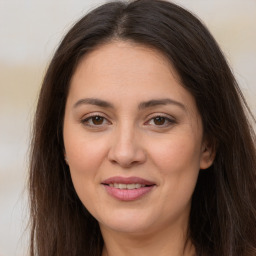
91 114
88 116
171 120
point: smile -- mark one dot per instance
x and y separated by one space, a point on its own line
127 188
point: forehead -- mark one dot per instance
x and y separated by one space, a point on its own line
123 63
125 71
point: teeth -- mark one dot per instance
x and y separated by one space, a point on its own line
126 186
131 186
122 186
138 185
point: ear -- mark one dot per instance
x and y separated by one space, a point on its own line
208 153
65 157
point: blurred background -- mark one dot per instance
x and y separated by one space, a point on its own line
30 31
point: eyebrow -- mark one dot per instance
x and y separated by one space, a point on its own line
159 102
93 101
142 105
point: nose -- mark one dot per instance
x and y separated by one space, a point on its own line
126 148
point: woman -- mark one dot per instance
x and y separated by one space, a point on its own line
141 142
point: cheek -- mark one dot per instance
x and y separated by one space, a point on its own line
85 156
84 153
178 161
179 153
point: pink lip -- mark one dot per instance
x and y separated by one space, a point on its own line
127 180
128 194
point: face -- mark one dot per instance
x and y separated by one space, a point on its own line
133 139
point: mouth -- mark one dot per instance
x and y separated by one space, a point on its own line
127 186
127 189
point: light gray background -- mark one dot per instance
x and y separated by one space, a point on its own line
30 31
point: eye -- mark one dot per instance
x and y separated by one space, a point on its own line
95 120
161 121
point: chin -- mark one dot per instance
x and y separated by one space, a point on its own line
128 223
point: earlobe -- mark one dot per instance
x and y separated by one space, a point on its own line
65 157
207 156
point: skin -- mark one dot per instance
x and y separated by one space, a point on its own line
130 141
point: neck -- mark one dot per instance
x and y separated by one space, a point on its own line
170 241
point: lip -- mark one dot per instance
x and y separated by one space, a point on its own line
127 180
128 194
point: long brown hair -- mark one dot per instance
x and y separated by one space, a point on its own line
223 213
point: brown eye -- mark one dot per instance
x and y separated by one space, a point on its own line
159 120
94 121
97 120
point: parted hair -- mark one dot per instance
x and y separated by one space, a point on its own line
223 209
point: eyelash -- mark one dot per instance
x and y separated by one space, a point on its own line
167 121
86 120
